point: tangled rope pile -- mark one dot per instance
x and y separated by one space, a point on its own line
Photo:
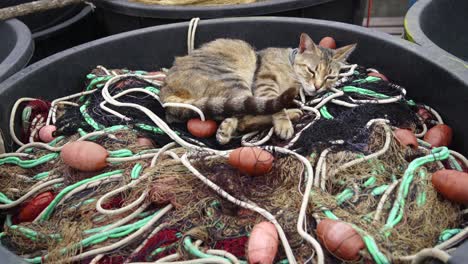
165 196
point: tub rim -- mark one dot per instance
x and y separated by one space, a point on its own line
126 7
449 65
22 51
415 34
84 11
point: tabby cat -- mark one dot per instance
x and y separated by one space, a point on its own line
249 90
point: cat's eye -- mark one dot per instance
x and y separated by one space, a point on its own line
311 71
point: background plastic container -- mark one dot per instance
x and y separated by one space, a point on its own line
59 29
16 47
124 15
439 25
439 82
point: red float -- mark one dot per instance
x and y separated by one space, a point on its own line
452 185
340 239
328 42
202 129
251 160
406 138
33 208
439 135
378 75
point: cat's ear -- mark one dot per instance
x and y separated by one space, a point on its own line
306 43
343 53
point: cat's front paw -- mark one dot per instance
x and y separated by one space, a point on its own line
284 129
226 130
294 114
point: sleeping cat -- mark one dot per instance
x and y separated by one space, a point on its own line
229 81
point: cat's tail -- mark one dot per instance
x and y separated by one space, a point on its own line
246 105
222 107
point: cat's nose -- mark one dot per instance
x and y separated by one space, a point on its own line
318 84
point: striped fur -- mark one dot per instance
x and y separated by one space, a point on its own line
229 81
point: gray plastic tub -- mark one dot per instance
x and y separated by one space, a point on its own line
437 81
124 15
59 29
16 47
439 25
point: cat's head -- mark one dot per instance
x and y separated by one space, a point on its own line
316 67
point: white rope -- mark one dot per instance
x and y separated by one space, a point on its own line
377 101
305 201
245 138
106 71
298 135
142 245
384 199
388 135
192 261
132 158
188 106
96 259
127 218
261 211
127 91
126 208
137 234
14 154
160 123
57 149
329 98
191 34
30 193
454 240
460 157
55 109
343 103
79 189
318 168
424 254
12 118
36 127
324 176
54 102
225 254
169 258
434 112
161 150
130 185
423 132
350 72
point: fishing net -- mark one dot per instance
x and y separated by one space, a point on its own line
178 198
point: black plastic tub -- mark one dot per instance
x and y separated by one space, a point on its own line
16 47
439 25
59 29
124 15
439 82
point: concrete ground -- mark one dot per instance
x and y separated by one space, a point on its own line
388 16
389 8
